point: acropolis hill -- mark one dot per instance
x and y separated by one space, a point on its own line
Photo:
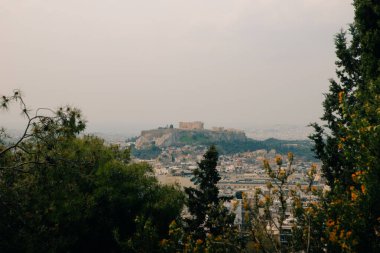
187 133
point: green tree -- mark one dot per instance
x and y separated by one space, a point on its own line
279 217
349 144
206 207
63 193
211 225
201 199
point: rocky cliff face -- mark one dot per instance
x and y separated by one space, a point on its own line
179 137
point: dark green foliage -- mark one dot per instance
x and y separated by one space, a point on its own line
349 144
300 148
62 193
326 145
190 138
83 200
147 153
206 195
211 226
127 199
204 203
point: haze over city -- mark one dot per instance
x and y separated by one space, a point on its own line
132 65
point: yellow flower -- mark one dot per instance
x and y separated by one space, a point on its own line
330 223
278 160
354 196
341 235
235 205
357 175
290 156
332 236
218 238
360 172
164 242
199 242
312 170
340 97
363 188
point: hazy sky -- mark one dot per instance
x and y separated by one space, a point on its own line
140 64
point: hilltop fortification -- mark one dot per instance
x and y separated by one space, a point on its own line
196 125
188 133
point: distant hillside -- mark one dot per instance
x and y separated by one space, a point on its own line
301 148
166 137
150 142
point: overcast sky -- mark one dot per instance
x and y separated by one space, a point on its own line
141 64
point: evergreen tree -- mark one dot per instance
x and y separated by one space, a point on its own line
63 193
204 203
350 148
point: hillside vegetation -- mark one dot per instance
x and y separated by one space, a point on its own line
149 144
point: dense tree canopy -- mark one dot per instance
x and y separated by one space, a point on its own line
64 193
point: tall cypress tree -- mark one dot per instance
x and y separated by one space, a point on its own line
350 148
203 201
